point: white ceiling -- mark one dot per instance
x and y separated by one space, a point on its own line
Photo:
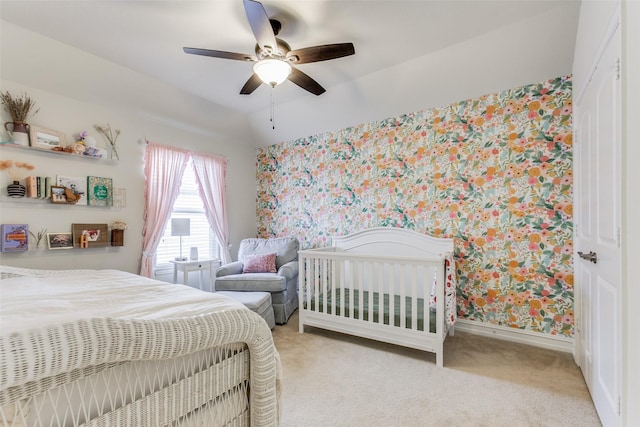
410 55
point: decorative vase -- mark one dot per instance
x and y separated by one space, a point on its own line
117 237
193 255
16 189
19 132
112 153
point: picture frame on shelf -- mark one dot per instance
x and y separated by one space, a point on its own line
58 195
46 139
78 185
99 191
96 235
62 240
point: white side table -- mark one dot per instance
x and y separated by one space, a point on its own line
199 265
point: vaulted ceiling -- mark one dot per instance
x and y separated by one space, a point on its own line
410 55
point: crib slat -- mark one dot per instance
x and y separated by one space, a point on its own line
414 297
429 282
307 282
379 305
341 284
325 279
372 287
403 300
316 278
361 288
335 265
351 287
390 300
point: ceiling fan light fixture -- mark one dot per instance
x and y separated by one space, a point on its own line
273 57
272 71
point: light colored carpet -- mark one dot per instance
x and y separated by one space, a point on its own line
332 379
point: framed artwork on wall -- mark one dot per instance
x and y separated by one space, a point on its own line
60 240
90 235
58 195
78 185
99 191
47 139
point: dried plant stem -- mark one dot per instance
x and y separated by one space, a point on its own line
38 237
16 170
111 137
19 108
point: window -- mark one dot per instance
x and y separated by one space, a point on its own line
187 205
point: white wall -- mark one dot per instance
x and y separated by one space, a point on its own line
70 116
631 209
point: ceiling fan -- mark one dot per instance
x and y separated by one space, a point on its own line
273 57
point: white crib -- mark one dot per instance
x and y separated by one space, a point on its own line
387 284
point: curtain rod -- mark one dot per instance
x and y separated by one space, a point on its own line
145 141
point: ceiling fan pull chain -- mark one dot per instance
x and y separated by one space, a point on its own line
273 121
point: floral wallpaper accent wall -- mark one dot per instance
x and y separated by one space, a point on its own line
494 173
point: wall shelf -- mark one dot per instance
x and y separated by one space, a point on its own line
59 154
32 203
32 252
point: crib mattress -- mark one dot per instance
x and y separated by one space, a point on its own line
336 298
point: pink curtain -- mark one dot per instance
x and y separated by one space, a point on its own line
163 170
211 172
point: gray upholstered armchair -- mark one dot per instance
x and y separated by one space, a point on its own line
281 280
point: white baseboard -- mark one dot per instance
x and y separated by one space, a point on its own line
536 339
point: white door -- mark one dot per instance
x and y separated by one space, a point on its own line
598 212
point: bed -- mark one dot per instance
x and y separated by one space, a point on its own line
388 284
110 348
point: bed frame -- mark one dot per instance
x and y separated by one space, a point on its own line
216 368
350 286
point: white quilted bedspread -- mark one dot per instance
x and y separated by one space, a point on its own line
32 299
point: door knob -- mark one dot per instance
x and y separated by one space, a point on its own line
591 256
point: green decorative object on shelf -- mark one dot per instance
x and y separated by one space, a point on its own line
99 191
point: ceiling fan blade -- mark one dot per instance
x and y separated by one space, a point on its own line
305 82
251 85
220 54
320 53
260 25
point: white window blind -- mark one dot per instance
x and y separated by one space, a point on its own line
187 205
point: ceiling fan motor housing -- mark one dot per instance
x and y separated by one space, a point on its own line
280 51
